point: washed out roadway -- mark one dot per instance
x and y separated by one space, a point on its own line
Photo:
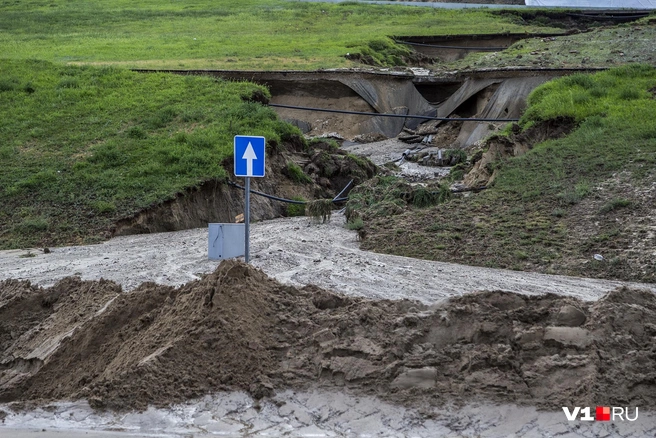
296 251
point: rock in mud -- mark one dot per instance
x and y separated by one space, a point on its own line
570 316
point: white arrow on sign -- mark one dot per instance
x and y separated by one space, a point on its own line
249 156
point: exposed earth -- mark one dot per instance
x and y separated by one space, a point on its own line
234 329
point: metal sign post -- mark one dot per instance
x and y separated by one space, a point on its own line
247 220
250 155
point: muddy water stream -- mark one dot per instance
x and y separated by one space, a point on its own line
292 250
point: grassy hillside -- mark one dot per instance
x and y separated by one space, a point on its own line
554 208
226 34
600 47
81 146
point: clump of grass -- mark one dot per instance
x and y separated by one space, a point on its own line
383 52
294 210
422 197
103 207
457 156
615 204
388 196
370 199
331 143
355 224
320 209
32 225
457 172
295 173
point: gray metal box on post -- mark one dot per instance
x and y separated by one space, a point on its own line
226 241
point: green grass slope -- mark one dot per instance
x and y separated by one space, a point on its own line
82 146
600 47
226 34
552 209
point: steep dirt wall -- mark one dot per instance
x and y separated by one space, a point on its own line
326 94
518 143
324 169
212 202
454 47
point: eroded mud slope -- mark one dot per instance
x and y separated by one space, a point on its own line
238 329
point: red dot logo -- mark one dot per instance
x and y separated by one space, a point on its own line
603 413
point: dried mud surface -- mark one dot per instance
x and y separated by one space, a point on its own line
237 329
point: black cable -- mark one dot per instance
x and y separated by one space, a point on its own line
409 116
343 190
276 198
491 49
338 200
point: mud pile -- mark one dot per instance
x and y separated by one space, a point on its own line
236 329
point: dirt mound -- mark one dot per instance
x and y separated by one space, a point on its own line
238 329
35 321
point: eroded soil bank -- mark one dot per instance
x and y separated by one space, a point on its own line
237 329
326 171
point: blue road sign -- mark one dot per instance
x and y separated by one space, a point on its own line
249 156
